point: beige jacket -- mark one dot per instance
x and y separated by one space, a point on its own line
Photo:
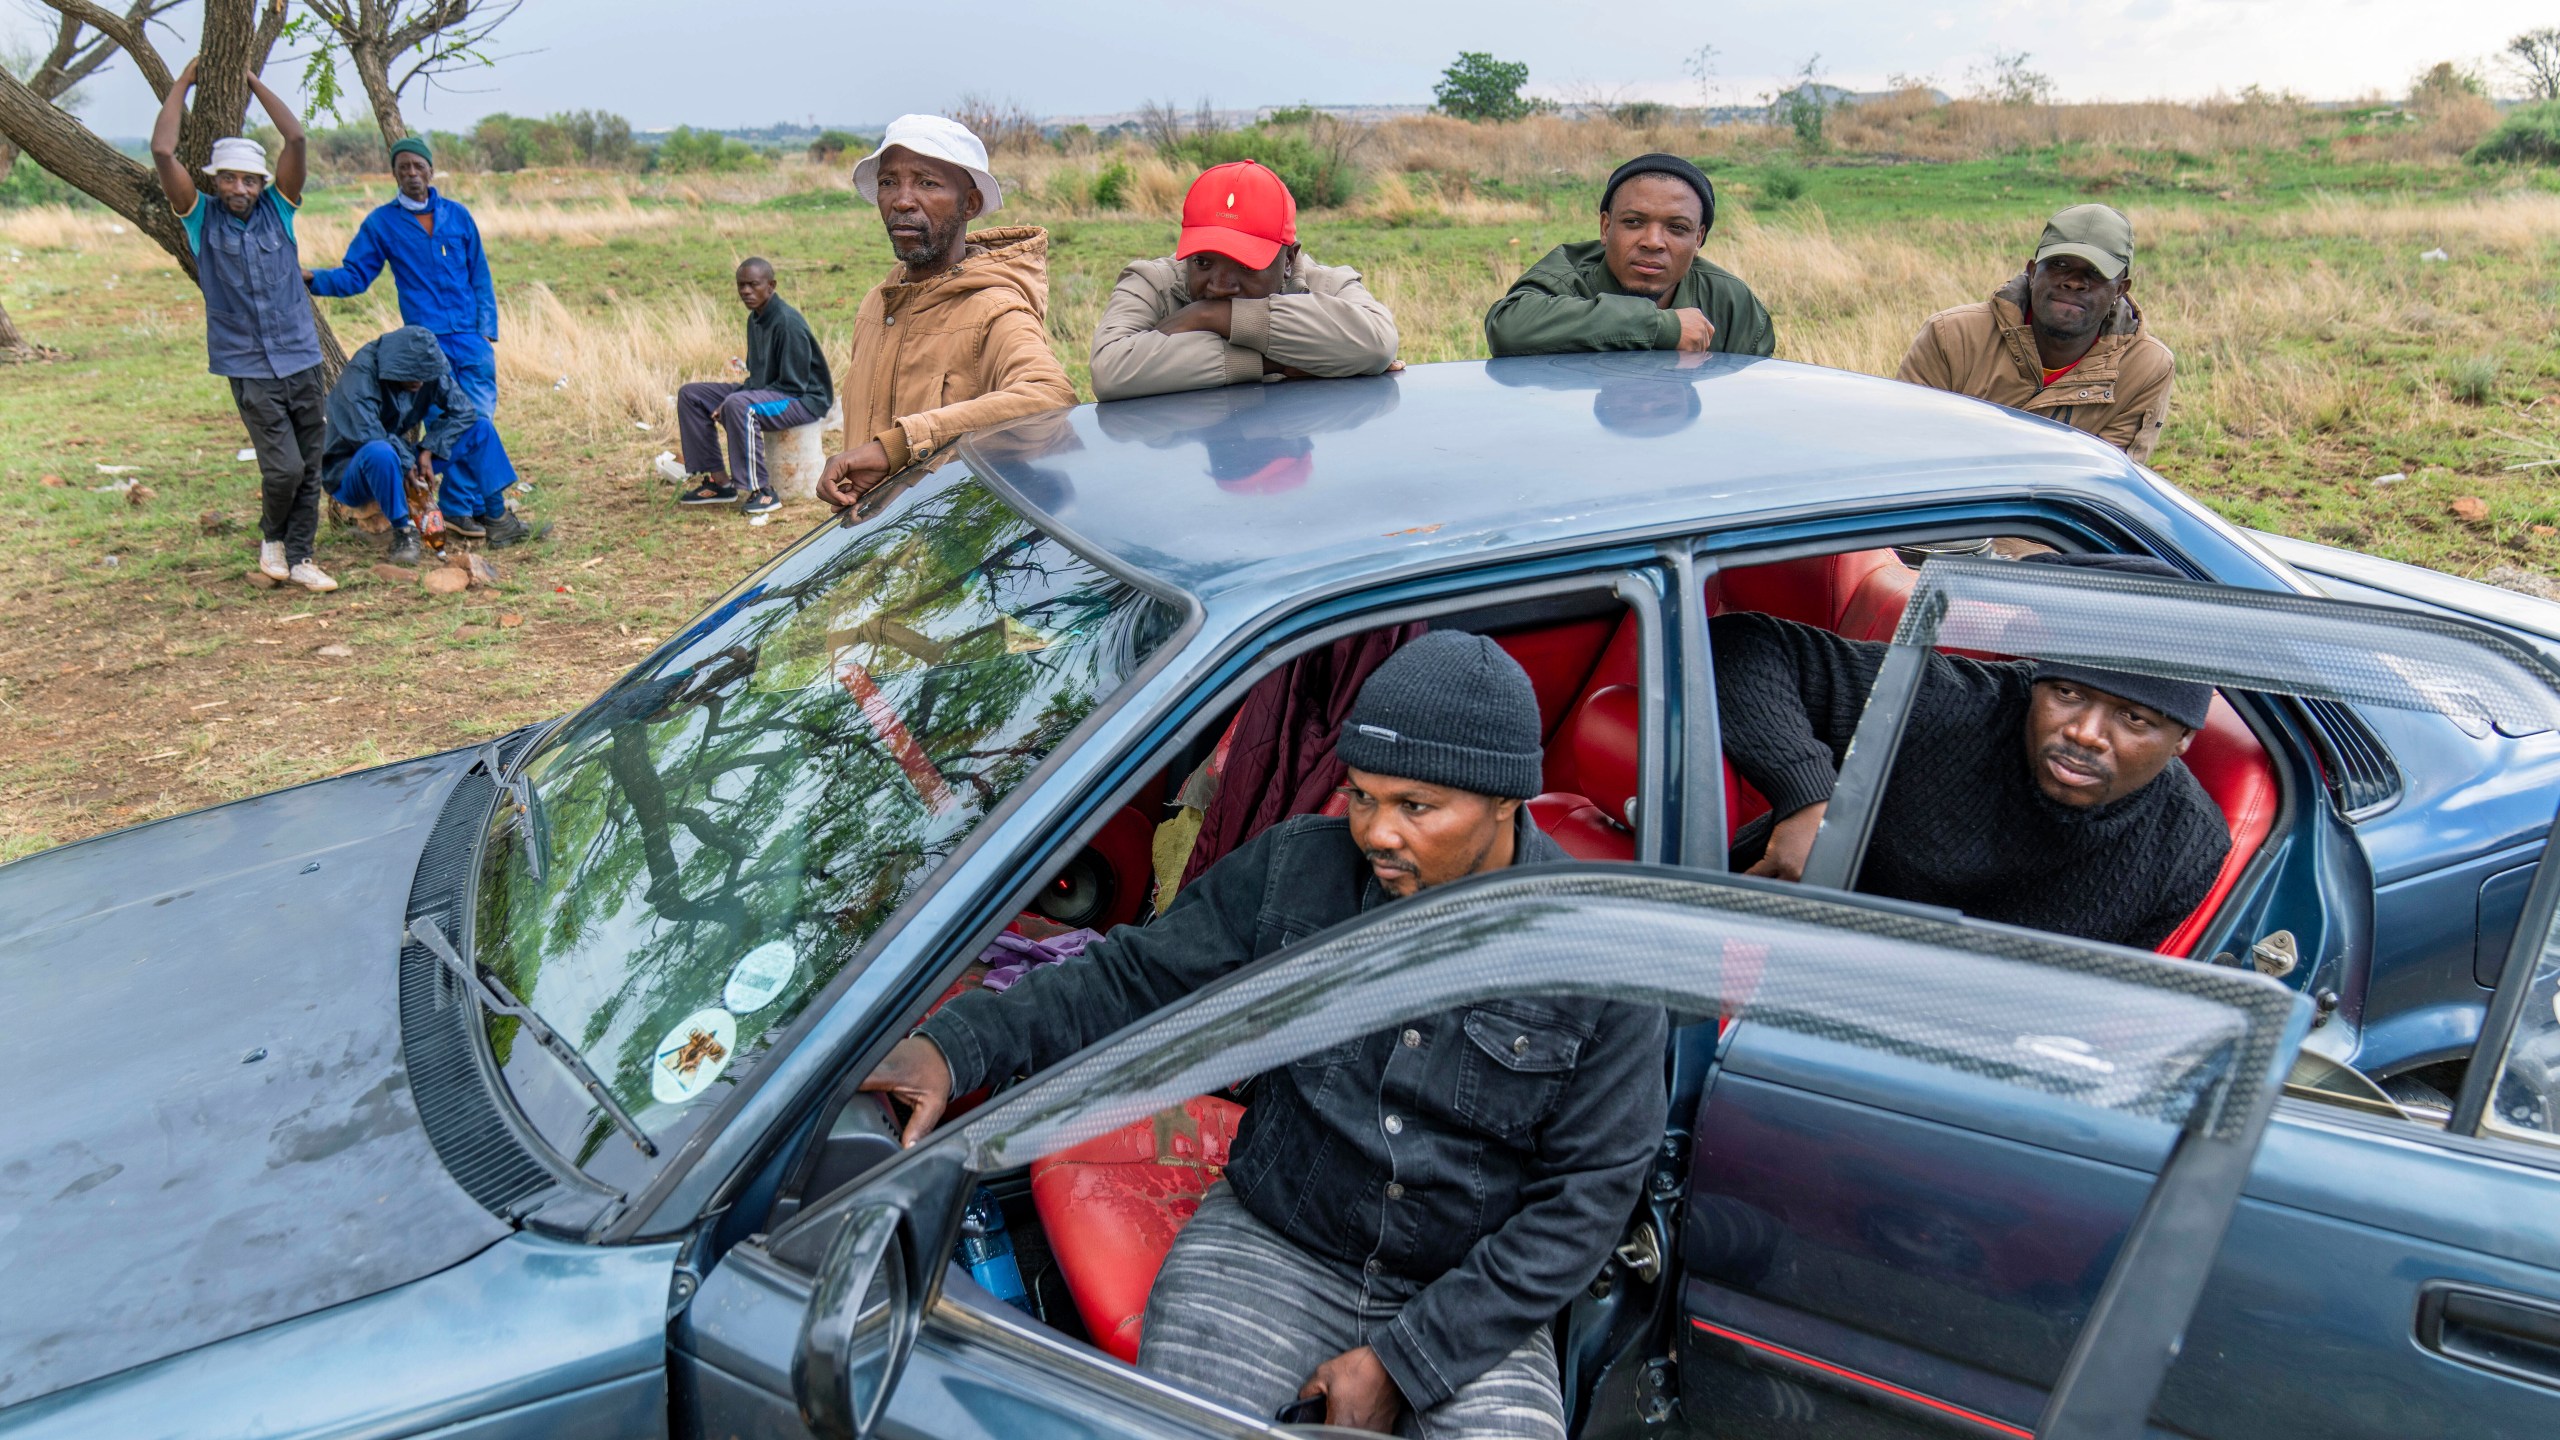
956 352
2118 392
1324 322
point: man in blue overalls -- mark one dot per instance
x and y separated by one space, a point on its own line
259 333
442 275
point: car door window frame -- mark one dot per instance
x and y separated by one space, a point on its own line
2528 956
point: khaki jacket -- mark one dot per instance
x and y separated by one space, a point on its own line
2118 392
960 351
1324 321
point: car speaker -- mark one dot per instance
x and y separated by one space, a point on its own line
1080 895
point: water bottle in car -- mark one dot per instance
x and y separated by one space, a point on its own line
988 1251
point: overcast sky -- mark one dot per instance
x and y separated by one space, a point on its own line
664 62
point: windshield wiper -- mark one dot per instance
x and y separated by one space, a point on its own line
492 994
520 795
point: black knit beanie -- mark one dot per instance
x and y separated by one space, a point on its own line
1448 709
1678 169
2184 701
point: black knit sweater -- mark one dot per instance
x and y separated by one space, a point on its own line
1963 824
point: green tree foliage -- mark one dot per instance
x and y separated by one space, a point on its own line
832 146
1478 87
504 142
686 148
2528 134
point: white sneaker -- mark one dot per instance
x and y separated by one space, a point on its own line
271 560
311 577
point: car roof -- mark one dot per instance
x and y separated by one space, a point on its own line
1280 486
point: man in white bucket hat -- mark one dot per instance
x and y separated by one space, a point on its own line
957 337
259 333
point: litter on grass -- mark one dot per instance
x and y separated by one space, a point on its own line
2435 256
119 469
246 455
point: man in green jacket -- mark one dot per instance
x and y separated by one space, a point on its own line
1641 285
788 385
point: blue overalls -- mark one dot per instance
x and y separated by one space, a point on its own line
444 286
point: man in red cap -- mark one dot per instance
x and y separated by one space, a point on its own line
1236 302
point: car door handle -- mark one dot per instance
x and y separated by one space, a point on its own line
2517 1336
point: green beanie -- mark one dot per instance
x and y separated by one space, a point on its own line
414 146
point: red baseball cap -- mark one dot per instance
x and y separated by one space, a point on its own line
1239 210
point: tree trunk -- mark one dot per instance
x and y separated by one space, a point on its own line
13 346
373 68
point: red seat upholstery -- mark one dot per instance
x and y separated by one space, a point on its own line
1868 589
1600 738
2228 761
1112 1205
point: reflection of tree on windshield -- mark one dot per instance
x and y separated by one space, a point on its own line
795 770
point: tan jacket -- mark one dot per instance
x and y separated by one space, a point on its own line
956 352
1324 321
2118 392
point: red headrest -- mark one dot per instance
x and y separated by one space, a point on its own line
1602 731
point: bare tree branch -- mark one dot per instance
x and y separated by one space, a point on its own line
435 35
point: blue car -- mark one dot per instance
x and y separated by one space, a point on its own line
511 1091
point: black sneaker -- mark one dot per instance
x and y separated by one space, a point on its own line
507 530
464 525
404 546
710 492
761 502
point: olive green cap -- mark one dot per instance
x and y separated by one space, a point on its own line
2098 234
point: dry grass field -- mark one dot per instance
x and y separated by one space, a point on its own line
2281 258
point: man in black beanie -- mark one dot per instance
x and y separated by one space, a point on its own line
1641 285
1401 1214
2030 792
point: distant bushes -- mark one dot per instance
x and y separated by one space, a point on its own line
688 149
1314 161
832 146
504 143
2529 134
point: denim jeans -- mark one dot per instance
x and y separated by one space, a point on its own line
1243 1317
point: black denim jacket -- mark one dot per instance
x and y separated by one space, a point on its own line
1490 1154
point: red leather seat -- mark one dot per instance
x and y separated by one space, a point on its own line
1600 737
1112 1205
2233 767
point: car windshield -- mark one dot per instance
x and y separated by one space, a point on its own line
701 849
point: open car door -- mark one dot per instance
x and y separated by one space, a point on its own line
1915 1259
851 1320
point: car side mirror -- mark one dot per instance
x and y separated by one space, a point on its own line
878 1277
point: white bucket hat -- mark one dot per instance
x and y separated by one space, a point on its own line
246 156
939 138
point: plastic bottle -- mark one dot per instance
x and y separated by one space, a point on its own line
988 1251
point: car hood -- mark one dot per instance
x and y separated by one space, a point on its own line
210 1125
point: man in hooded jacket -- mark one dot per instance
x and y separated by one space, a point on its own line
441 272
2062 339
396 408
957 337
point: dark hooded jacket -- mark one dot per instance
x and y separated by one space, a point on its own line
368 403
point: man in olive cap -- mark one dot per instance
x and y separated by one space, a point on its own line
1404 1214
442 274
1641 285
2062 339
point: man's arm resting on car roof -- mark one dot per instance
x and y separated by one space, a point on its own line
1788 696
1592 1156
1058 1010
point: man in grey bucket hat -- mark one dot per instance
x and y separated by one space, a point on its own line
1402 1214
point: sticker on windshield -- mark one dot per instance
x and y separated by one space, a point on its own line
759 977
693 1055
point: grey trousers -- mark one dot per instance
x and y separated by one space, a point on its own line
1242 1316
285 428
